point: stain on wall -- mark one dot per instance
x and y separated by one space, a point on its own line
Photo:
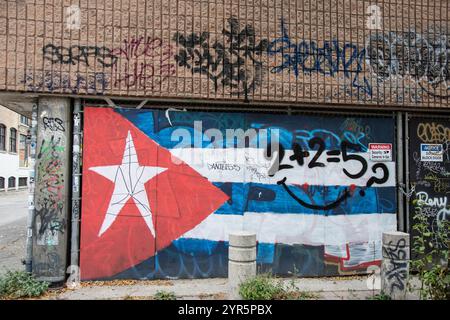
161 192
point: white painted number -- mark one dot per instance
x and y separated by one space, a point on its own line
374 19
374 280
73 17
73 282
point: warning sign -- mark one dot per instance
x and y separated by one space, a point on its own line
431 152
380 151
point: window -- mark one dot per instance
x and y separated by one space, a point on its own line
11 182
2 183
2 137
23 151
24 120
13 140
23 181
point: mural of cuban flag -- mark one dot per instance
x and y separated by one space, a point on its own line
162 189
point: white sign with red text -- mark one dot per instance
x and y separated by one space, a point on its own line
380 151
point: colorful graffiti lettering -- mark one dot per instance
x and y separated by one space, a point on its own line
95 83
147 63
332 58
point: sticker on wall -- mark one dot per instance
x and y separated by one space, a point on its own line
431 152
47 237
380 151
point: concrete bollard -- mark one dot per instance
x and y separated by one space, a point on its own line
241 260
395 264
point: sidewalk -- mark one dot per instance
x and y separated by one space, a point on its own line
342 288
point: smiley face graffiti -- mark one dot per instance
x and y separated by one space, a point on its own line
333 156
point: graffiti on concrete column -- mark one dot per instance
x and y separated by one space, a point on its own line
396 264
233 62
50 183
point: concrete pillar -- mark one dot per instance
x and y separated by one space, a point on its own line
52 189
395 264
241 260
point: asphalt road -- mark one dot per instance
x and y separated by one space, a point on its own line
13 222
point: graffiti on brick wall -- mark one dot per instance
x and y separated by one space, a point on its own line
315 199
138 63
425 59
93 83
87 55
145 63
387 66
232 60
327 59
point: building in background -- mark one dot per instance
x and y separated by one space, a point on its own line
14 150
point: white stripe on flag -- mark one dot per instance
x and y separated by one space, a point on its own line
292 229
242 165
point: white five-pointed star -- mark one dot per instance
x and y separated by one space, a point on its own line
129 179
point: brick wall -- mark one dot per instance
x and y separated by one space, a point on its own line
391 52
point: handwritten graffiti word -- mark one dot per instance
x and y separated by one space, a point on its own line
396 251
147 63
144 47
50 168
222 166
333 156
329 59
397 274
425 59
49 223
79 54
433 132
95 83
53 124
424 199
231 61
440 184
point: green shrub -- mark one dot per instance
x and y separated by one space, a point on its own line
20 284
429 258
261 287
165 295
380 296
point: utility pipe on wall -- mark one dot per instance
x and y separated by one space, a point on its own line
400 173
76 177
31 185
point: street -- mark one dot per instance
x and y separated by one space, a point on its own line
13 222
